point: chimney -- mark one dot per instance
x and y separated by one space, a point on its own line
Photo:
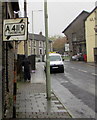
96 4
40 33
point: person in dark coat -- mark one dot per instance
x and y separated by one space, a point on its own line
26 64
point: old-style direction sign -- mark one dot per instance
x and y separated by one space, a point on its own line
66 47
15 29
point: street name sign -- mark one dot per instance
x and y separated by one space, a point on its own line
15 29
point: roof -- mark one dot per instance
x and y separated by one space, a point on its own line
38 37
54 54
91 12
75 20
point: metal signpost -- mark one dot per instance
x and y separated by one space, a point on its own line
15 30
48 81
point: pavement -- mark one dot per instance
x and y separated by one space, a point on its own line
89 63
92 64
31 101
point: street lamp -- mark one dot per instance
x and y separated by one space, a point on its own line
33 27
48 81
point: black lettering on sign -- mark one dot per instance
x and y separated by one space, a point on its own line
13 28
22 27
7 28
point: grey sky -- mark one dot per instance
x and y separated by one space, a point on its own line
60 14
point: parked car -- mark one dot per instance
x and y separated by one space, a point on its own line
56 63
78 57
74 57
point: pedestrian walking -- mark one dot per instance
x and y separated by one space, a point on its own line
26 64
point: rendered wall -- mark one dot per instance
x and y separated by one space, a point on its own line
90 37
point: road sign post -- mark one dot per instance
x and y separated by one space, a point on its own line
48 81
15 29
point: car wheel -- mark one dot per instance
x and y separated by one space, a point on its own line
62 70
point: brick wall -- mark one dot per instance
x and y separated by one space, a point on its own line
6 67
10 78
0 60
7 74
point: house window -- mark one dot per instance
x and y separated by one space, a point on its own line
34 42
74 37
40 44
40 51
29 42
34 51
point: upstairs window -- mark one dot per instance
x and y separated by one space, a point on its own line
34 42
40 51
74 37
40 44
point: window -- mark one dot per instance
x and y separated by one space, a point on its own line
29 42
40 51
34 51
55 58
40 44
74 37
34 42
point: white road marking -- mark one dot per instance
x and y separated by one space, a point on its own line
66 81
82 70
94 74
73 67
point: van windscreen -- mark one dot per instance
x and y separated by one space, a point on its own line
55 58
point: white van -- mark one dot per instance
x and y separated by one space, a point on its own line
56 63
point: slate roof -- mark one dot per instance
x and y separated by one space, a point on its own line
91 12
74 20
38 37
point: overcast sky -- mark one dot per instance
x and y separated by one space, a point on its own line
60 14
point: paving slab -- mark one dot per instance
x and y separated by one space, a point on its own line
31 101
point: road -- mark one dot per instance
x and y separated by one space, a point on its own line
76 88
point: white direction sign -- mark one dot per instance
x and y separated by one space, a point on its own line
66 47
15 29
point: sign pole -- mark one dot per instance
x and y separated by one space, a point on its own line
25 42
32 32
48 81
15 80
15 30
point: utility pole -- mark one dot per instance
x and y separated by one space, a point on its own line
25 42
32 32
15 74
15 79
33 26
48 81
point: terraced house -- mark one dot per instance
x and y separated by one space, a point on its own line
75 33
91 36
38 45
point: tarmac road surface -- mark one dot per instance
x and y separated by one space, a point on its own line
76 88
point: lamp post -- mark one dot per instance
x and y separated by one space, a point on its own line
48 81
33 27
